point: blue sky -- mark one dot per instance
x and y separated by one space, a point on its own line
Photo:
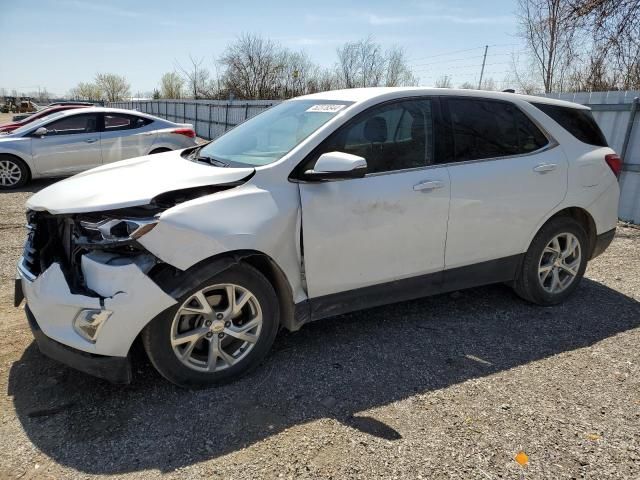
58 43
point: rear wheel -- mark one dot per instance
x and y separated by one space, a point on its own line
218 331
14 173
555 262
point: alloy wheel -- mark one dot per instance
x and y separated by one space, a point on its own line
10 173
216 327
559 263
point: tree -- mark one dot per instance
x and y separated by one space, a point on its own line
467 86
171 85
254 67
114 87
549 33
398 73
86 91
196 78
444 82
361 64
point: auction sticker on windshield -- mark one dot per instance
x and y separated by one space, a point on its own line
326 108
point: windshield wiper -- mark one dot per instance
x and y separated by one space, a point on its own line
212 161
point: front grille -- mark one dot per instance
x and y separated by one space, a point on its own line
43 244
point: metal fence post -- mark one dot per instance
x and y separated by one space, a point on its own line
226 116
627 135
195 122
246 111
210 109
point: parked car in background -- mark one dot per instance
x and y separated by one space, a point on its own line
10 127
321 205
71 141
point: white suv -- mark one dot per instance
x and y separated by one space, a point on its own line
321 205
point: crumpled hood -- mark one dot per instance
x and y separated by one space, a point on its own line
130 183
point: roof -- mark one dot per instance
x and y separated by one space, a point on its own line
388 93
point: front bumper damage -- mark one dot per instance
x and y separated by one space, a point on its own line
122 289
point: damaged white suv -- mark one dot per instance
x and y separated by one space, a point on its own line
321 205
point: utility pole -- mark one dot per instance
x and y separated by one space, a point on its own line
484 59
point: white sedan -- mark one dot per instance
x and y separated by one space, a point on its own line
71 141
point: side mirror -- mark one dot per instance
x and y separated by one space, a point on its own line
337 166
41 132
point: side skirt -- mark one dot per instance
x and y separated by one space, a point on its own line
485 273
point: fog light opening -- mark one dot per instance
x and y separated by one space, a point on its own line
89 321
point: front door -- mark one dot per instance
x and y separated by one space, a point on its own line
71 145
389 225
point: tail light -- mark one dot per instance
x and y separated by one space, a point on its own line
614 162
187 132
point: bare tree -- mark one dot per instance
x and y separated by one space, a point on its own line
254 67
398 73
550 34
444 82
196 78
114 87
86 91
467 86
361 64
171 85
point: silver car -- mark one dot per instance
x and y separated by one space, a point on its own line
71 141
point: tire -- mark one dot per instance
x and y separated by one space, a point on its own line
535 267
14 173
188 319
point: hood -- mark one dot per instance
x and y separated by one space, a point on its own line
130 183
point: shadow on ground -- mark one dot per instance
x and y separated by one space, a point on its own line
33 186
335 368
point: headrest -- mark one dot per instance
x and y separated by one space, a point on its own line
375 130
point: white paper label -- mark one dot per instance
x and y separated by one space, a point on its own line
326 108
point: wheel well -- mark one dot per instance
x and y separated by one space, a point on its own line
585 219
278 279
175 282
159 150
18 158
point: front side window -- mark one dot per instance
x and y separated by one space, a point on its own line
395 136
269 136
119 121
490 129
73 125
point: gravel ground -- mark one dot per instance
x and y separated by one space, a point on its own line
452 386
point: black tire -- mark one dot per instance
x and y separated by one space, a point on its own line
527 284
14 162
156 337
159 150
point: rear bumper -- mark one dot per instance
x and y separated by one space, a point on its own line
113 369
602 242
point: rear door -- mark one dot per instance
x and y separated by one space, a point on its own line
389 225
72 144
125 136
506 176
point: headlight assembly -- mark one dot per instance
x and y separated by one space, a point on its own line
118 229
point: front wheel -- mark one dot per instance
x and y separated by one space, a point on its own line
14 173
218 331
555 262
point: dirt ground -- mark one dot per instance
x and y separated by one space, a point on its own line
452 386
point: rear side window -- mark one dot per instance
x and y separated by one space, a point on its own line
579 123
118 121
489 129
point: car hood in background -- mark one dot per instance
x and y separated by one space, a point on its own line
130 183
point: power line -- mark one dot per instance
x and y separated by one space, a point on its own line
453 52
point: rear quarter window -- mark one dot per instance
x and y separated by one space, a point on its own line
578 122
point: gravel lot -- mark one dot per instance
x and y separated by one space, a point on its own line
452 386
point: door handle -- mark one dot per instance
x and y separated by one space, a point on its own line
428 185
92 140
544 167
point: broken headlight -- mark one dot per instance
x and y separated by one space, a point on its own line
111 230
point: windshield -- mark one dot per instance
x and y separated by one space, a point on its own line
269 136
38 122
